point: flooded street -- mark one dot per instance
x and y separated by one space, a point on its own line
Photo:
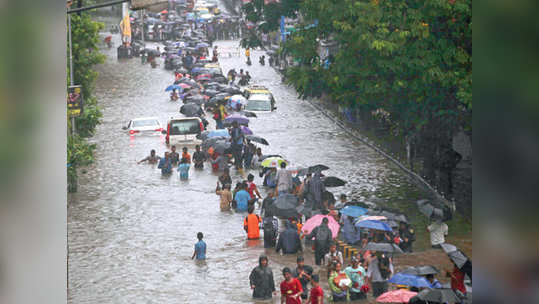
131 231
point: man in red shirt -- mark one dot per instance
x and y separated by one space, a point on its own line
290 288
317 294
457 279
251 187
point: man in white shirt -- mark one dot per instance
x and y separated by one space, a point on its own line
438 231
284 180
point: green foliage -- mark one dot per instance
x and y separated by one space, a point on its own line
85 39
413 59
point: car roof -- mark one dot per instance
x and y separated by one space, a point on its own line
145 118
183 118
257 96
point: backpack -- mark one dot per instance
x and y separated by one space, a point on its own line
383 266
322 234
269 228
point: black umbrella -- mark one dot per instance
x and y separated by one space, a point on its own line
220 79
197 99
383 247
439 295
247 113
232 90
221 146
429 210
318 168
457 256
285 205
332 181
191 109
257 139
210 92
421 270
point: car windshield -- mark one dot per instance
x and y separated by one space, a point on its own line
258 105
145 123
182 127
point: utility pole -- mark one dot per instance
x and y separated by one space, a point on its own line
143 11
71 81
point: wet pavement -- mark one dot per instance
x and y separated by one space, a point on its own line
131 231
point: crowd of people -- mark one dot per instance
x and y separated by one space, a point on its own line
367 272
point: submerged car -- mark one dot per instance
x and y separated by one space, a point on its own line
144 126
183 131
260 103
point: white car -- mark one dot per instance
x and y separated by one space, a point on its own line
260 103
144 125
183 131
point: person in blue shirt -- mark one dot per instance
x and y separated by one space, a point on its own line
433 282
242 198
183 168
165 164
200 248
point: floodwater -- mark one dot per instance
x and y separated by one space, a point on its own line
131 232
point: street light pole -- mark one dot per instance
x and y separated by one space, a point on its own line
73 129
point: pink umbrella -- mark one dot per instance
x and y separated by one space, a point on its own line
184 85
396 296
316 220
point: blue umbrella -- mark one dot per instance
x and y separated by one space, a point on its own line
217 133
202 45
409 280
377 225
174 87
195 70
353 211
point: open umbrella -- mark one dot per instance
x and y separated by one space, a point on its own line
316 220
234 100
439 295
409 280
164 12
457 256
247 114
202 45
221 146
270 155
371 224
272 162
174 87
242 120
421 270
210 92
383 247
246 131
429 210
198 99
396 296
371 218
203 76
332 181
318 168
184 85
353 211
218 133
285 205
257 139
191 109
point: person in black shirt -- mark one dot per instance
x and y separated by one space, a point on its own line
199 158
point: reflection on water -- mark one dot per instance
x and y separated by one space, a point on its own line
132 232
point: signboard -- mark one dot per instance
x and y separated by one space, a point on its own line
74 101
